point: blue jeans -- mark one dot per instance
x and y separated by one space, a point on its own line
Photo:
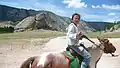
86 57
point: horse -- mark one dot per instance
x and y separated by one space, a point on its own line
60 60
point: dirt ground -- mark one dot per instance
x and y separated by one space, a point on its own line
14 52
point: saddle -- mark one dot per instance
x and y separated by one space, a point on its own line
74 62
74 50
75 53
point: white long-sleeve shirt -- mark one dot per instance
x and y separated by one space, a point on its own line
72 31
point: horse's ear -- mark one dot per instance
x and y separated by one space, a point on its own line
106 40
98 38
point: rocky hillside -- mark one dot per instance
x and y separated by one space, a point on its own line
48 20
98 25
31 20
14 14
116 27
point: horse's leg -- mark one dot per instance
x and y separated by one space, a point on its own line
96 63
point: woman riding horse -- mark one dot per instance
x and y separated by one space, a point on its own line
73 35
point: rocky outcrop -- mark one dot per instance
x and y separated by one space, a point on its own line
6 24
48 20
44 20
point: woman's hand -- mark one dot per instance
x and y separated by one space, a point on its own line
79 34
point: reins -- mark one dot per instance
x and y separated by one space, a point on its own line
92 41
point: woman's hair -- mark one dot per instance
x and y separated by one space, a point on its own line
75 14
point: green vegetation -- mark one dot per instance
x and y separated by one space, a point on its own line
94 34
51 34
112 35
6 30
109 25
118 23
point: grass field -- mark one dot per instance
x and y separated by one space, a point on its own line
5 38
30 34
105 35
51 34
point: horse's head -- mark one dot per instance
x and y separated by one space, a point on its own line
108 46
103 41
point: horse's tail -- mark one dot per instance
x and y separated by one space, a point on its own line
26 63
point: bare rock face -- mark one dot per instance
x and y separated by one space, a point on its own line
44 20
48 20
25 24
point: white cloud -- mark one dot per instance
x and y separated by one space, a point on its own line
113 7
75 3
116 17
116 7
109 20
112 19
92 16
111 14
95 17
93 6
105 18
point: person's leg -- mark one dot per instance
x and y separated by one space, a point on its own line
85 63
86 58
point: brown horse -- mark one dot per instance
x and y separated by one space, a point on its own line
59 60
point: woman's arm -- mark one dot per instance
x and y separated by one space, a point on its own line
71 32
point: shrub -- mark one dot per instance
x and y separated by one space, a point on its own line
6 29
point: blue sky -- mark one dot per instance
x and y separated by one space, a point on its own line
90 10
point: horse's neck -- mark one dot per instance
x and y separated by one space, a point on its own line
94 49
96 54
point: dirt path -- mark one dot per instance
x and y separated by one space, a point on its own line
12 54
59 44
